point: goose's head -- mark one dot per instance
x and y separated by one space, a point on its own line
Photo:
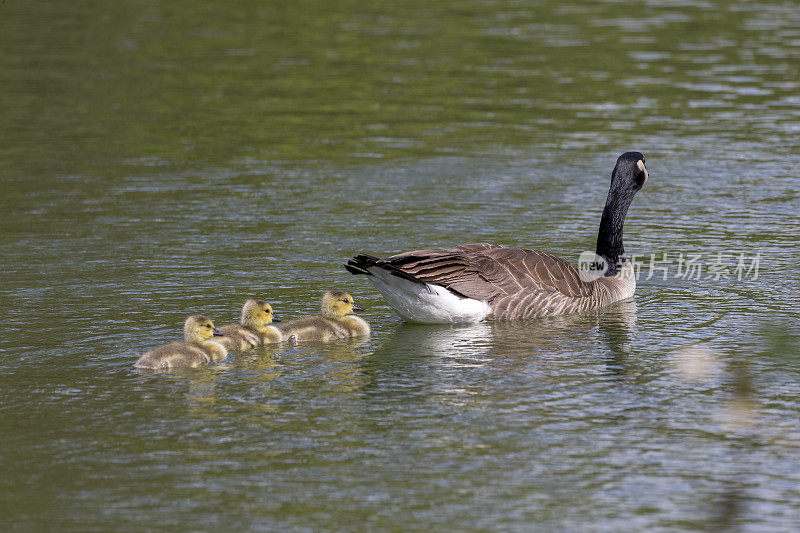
199 328
257 315
629 173
627 179
336 304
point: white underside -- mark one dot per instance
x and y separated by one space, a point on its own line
426 303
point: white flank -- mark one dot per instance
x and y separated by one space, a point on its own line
426 304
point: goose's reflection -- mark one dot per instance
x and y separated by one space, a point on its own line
456 345
609 330
617 328
471 365
420 362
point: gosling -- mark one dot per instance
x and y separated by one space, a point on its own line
255 329
195 351
336 322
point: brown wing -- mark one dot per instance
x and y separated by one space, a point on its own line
490 272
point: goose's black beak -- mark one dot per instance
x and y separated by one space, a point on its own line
357 307
275 318
217 333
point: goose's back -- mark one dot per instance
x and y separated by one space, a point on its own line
515 282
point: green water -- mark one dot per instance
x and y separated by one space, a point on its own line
166 158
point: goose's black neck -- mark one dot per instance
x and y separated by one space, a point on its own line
609 238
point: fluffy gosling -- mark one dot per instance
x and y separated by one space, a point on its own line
195 351
254 328
335 322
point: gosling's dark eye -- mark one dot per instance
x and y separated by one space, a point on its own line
345 301
209 327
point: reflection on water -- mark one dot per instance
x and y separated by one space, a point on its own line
453 345
201 397
617 327
341 364
477 344
164 159
498 349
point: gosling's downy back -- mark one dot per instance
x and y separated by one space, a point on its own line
196 350
335 322
254 328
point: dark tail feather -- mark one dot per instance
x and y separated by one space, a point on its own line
360 263
355 270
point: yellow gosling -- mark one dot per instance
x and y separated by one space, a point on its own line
254 328
335 322
197 349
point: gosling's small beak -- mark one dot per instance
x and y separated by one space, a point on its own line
217 333
275 318
357 307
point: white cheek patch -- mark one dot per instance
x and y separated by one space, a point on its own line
640 165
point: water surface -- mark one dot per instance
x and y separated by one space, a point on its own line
162 160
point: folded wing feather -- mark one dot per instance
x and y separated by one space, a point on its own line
489 271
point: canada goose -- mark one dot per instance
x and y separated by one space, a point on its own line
195 351
475 282
253 329
335 322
